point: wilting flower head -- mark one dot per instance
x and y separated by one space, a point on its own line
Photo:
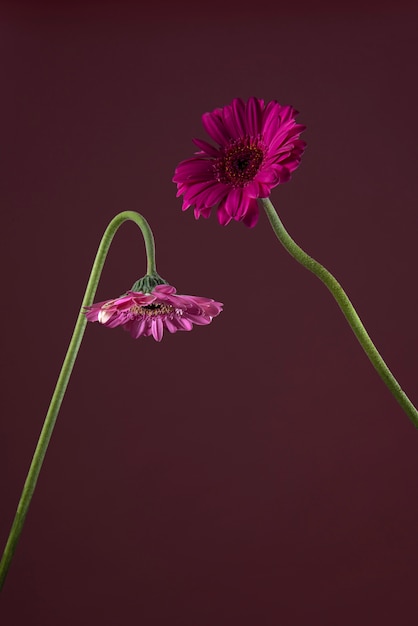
148 313
259 147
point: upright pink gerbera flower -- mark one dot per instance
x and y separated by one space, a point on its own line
148 313
259 147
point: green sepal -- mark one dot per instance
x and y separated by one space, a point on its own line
147 283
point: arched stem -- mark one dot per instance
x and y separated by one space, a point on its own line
65 374
345 305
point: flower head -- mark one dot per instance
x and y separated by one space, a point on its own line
259 147
148 313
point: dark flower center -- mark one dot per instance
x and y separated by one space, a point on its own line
152 310
239 163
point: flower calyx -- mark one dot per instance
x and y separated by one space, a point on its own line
147 283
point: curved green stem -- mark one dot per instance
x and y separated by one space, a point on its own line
65 374
346 307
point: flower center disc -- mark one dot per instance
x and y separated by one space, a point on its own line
152 310
239 164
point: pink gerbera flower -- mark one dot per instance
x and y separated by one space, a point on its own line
259 147
148 313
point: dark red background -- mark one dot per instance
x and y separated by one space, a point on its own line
255 472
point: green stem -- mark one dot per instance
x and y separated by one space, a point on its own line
65 374
346 307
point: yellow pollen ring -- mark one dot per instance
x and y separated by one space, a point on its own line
152 310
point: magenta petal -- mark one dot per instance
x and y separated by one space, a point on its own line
215 128
167 289
284 175
270 121
184 323
254 116
237 203
268 176
264 190
238 107
243 205
206 147
199 320
205 213
193 170
138 328
252 190
250 218
105 315
209 307
216 193
286 113
232 123
157 328
92 315
210 196
117 319
198 195
223 217
170 325
232 201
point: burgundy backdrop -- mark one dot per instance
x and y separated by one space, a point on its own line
255 472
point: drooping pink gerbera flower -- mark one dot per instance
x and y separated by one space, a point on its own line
148 313
259 147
